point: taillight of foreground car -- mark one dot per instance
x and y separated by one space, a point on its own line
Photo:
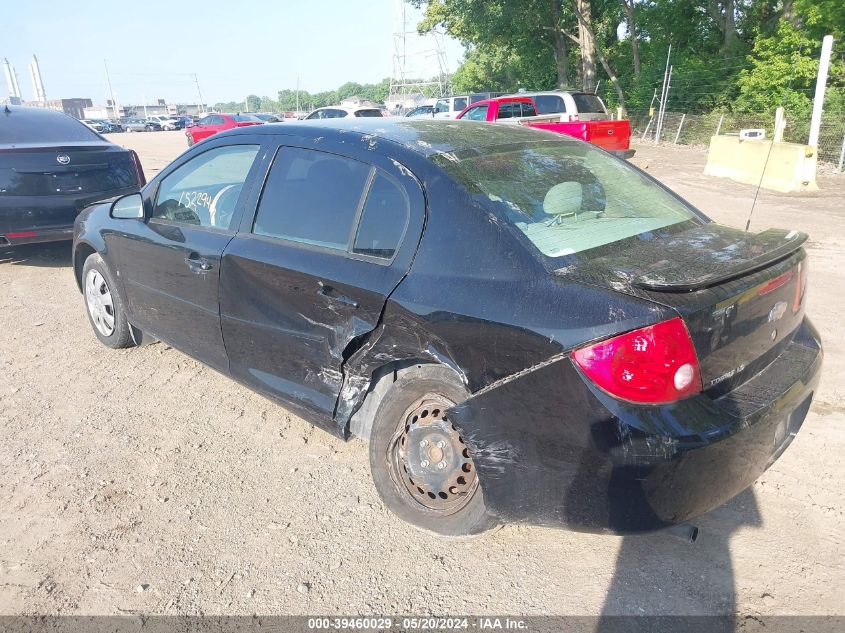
654 364
139 171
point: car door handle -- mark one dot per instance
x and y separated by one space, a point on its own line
196 262
330 293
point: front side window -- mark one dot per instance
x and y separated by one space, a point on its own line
442 105
478 113
528 109
312 197
205 190
567 197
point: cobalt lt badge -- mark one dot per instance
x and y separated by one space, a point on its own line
63 159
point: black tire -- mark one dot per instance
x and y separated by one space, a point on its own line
97 281
414 389
190 140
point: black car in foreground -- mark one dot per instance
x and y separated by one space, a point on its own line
525 328
51 167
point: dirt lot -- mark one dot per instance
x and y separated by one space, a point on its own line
139 481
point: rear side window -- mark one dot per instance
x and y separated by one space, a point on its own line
20 126
373 112
312 198
549 104
506 110
460 103
383 219
587 103
240 118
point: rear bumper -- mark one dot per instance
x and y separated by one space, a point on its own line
32 219
551 450
57 234
624 154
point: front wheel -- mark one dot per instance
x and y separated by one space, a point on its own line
421 466
104 304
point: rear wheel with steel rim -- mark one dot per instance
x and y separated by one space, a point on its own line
104 304
422 467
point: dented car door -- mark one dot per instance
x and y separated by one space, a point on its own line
305 281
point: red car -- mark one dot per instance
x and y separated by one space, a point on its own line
214 123
613 136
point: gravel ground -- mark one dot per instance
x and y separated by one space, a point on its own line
139 481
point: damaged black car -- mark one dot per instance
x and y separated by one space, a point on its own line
524 328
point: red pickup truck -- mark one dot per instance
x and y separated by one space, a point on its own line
613 136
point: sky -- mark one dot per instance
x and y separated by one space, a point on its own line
235 48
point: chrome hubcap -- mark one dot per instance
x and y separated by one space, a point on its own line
430 459
99 301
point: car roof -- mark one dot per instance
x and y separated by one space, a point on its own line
349 109
558 93
422 136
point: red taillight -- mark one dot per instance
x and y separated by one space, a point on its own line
139 171
653 364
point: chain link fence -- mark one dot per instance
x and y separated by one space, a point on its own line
696 129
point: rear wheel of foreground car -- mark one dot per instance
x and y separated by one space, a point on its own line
421 466
104 305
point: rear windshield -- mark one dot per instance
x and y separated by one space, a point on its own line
240 118
368 113
549 104
566 197
587 103
22 127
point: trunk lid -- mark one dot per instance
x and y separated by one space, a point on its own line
59 170
741 295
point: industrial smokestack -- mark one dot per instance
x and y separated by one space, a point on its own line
39 85
11 79
35 94
7 70
15 82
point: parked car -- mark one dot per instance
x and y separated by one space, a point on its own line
613 136
51 167
266 117
95 125
141 125
164 122
421 111
214 123
603 357
340 112
113 125
451 107
573 106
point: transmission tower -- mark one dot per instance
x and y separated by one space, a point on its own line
419 62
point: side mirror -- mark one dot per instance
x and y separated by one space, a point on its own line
129 207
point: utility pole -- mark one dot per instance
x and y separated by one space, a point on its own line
111 92
821 84
663 93
199 92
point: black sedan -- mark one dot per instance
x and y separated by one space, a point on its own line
525 328
51 167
